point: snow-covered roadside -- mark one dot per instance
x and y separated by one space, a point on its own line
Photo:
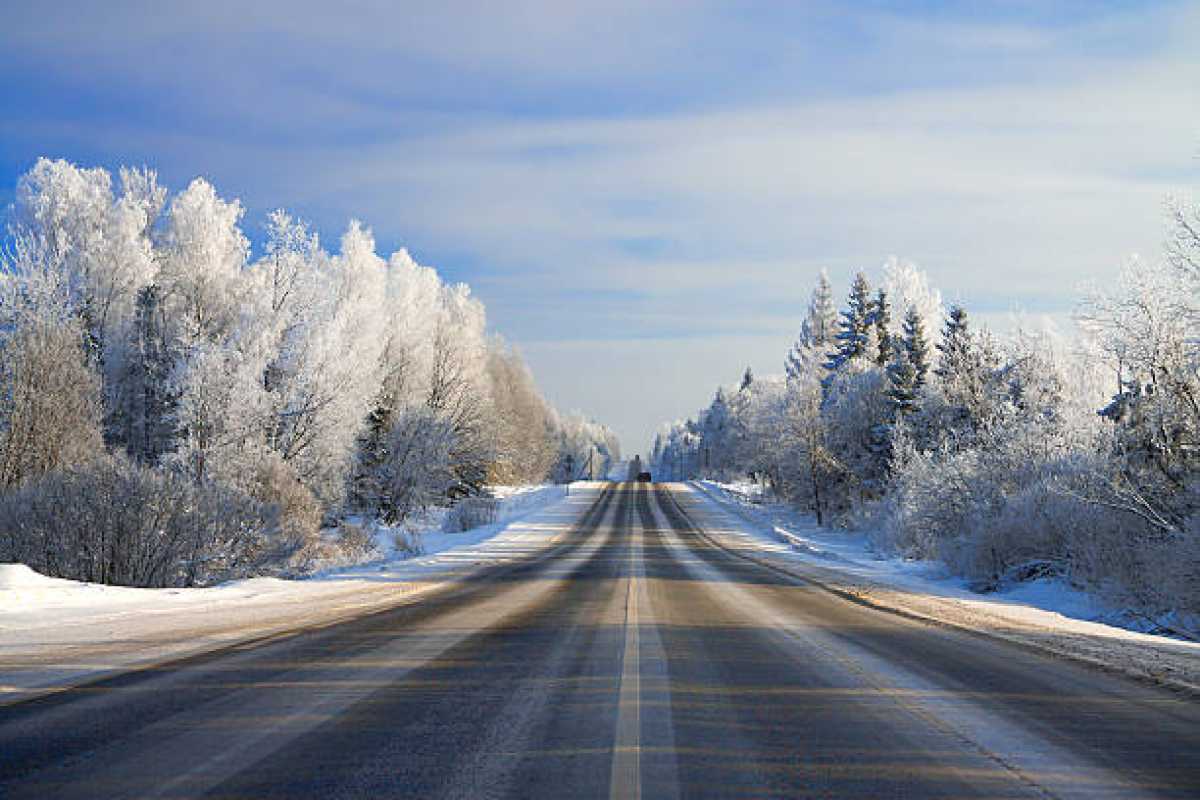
57 632
1045 614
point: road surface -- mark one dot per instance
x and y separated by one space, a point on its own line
636 658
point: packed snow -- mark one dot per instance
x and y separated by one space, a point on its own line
56 632
1046 613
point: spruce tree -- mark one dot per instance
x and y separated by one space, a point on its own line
794 364
852 336
955 347
903 383
881 318
817 330
821 325
368 480
916 345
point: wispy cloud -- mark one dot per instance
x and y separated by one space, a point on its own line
662 172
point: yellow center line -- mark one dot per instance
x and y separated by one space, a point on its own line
626 777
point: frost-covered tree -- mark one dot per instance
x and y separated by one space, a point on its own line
719 431
856 412
916 346
1183 244
904 382
810 469
817 331
821 323
955 347
854 330
101 247
524 448
50 410
269 386
586 448
100 243
881 319
908 287
219 402
1146 329
146 411
967 382
202 256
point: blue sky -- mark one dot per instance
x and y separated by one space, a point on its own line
643 192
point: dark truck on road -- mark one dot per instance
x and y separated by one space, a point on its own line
644 477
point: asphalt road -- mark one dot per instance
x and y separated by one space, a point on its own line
635 658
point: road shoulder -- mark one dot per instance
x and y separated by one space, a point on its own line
1149 659
50 643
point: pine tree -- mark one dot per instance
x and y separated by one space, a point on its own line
915 345
852 337
747 380
881 318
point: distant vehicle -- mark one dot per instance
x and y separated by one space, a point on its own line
644 477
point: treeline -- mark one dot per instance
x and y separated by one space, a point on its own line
1003 458
174 410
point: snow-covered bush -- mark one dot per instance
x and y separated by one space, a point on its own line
112 521
408 542
932 503
416 467
471 512
49 402
293 510
354 541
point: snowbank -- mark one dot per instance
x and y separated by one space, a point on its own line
19 576
1047 614
57 632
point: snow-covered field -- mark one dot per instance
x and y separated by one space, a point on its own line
55 632
1047 613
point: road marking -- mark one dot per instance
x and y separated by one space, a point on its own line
626 778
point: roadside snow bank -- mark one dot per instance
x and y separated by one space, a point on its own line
56 632
19 576
1047 614
432 532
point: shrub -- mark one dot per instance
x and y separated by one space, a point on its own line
111 521
355 541
295 512
471 512
408 542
